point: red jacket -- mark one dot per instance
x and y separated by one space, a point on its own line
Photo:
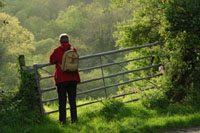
56 58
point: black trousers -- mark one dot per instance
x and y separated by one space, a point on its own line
63 89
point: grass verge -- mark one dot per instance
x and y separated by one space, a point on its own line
124 118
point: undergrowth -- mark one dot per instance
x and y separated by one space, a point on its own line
20 109
114 116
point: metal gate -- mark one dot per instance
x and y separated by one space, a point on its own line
41 91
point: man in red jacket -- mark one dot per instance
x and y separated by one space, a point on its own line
66 82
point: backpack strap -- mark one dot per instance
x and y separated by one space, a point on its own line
71 47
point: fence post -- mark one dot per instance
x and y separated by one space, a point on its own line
37 78
103 75
21 62
27 82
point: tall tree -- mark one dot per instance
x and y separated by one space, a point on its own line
1 4
181 36
142 28
176 23
14 40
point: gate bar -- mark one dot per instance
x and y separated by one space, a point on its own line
112 75
109 64
90 80
107 53
100 88
104 65
100 101
102 73
85 92
120 50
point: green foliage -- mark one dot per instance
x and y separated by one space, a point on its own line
120 2
36 25
24 106
142 28
111 108
181 36
176 24
154 99
25 8
1 4
72 20
91 85
136 119
182 16
14 40
28 88
90 25
5 97
43 49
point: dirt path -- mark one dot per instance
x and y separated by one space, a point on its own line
188 130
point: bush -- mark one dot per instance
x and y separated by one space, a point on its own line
22 108
111 107
154 99
176 25
5 97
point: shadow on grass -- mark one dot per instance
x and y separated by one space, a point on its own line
179 109
171 124
47 125
161 120
127 119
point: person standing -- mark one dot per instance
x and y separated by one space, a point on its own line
66 82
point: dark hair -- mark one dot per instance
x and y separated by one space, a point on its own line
64 39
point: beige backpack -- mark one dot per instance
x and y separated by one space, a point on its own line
70 61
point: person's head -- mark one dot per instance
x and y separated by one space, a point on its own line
63 38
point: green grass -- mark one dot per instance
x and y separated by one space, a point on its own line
129 118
